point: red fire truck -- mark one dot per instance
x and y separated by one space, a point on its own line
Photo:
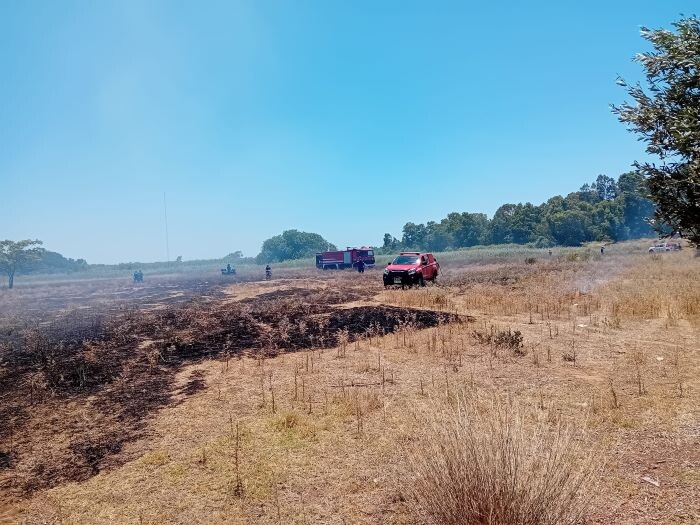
347 258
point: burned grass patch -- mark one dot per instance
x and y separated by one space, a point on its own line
385 319
312 296
79 389
6 459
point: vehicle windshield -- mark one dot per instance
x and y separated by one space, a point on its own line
406 259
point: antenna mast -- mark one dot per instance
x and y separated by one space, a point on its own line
167 242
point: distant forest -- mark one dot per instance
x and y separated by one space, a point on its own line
606 210
52 262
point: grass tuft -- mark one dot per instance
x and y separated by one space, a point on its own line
480 462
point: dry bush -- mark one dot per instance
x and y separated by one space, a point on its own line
481 462
512 340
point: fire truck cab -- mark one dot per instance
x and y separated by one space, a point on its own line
347 258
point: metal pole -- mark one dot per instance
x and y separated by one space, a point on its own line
167 242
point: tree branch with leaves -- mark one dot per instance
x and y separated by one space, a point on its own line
666 116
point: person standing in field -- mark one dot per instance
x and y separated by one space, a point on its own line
361 266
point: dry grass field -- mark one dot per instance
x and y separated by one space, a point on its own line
569 381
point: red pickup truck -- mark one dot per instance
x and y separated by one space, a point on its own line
411 268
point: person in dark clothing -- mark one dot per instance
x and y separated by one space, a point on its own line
268 272
361 266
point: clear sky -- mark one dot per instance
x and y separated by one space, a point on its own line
348 119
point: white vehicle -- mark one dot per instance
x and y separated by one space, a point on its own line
665 247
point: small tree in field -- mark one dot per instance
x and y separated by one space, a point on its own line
17 256
667 117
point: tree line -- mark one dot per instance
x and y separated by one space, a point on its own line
605 210
27 256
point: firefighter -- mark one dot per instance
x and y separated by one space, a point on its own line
228 268
268 272
361 266
602 249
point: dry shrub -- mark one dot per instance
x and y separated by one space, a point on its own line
287 420
481 462
512 340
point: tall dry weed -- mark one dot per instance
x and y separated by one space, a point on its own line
481 462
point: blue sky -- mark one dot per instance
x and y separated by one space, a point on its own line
343 118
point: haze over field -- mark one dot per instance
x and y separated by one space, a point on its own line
518 345
258 117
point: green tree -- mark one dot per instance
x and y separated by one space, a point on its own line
18 255
605 188
666 116
607 221
466 229
413 236
501 224
588 193
569 228
515 223
390 242
637 208
292 244
437 238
